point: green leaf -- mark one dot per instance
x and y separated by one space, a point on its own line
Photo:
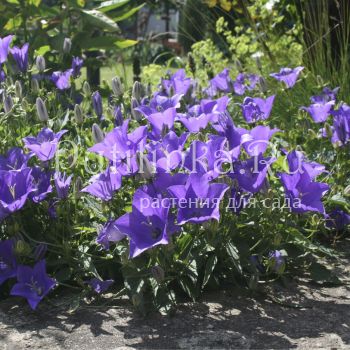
98 19
36 3
188 287
339 200
128 13
111 5
124 43
42 50
234 255
13 23
209 268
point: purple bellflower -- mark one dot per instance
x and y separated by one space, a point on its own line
45 144
62 184
33 283
20 56
62 79
288 75
255 109
100 286
4 48
105 184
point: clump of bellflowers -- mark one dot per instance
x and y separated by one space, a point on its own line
159 193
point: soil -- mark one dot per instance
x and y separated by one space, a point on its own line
301 315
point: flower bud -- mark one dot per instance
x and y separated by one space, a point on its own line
97 134
262 84
158 273
137 91
78 186
97 103
25 104
117 87
8 103
78 114
86 88
135 114
41 110
67 45
328 130
22 248
34 85
40 63
145 167
18 89
312 134
118 116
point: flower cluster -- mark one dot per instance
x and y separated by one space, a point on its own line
190 150
170 160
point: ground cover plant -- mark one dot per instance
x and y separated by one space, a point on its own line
205 182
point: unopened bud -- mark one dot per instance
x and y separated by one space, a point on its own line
78 114
78 186
137 91
86 89
97 134
135 114
117 87
118 116
40 63
41 110
22 248
262 84
25 104
312 134
67 45
18 89
328 130
34 85
8 103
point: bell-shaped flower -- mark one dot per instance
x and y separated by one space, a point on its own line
15 187
146 226
62 79
257 140
304 194
45 144
252 173
288 75
255 109
198 200
120 147
15 159
33 283
20 56
104 185
4 48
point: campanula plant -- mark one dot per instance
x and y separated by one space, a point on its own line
160 194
